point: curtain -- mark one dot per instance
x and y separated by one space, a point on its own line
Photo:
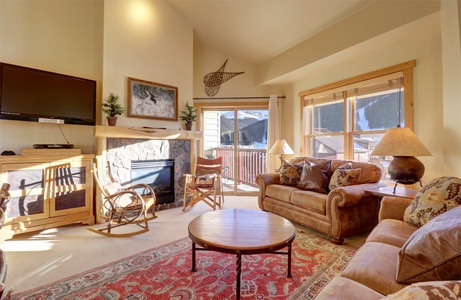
274 132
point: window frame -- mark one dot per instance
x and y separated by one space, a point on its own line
340 88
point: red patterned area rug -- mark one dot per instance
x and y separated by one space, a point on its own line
165 273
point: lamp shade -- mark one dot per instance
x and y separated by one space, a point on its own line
400 141
281 147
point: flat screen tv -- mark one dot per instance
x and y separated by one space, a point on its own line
35 95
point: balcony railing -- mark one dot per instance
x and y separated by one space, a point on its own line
251 162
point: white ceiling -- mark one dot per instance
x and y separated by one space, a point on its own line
257 30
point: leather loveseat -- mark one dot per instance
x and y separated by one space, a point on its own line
401 260
325 195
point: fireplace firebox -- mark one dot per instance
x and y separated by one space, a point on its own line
159 174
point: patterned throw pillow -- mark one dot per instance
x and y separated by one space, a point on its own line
315 177
290 174
451 290
438 196
433 252
344 176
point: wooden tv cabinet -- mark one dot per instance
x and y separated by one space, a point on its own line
49 188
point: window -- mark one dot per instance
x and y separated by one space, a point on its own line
347 119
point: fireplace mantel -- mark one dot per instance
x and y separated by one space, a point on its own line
145 133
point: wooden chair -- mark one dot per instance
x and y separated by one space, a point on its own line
205 184
124 206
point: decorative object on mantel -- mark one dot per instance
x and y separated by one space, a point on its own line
151 100
214 80
112 108
189 116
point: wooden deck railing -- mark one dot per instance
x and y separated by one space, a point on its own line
251 162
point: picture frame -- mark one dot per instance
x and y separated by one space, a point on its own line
152 100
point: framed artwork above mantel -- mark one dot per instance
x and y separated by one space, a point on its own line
151 100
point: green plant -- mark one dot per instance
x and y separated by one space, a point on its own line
111 106
190 115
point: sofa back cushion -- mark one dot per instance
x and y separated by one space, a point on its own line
370 172
438 196
433 252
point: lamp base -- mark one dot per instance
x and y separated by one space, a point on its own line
406 170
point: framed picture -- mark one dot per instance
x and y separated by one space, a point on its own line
151 100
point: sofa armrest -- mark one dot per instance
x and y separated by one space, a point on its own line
393 208
263 180
347 195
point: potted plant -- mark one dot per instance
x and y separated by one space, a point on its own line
112 108
189 116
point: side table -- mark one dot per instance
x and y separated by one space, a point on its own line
400 191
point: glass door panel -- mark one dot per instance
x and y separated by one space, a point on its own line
243 150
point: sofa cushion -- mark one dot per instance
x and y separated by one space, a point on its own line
448 290
371 172
314 177
433 252
392 232
280 192
344 288
290 174
374 265
344 177
311 201
438 196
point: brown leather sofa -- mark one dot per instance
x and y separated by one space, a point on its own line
402 261
341 212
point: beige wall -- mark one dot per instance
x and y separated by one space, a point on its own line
59 36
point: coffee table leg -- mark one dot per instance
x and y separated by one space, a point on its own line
239 272
193 257
289 262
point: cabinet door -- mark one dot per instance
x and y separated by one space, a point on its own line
28 201
69 192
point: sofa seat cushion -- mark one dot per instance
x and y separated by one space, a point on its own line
447 290
433 252
346 289
310 200
392 232
280 192
375 265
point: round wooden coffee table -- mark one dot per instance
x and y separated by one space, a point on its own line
240 232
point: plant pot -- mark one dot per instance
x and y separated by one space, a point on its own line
112 121
189 126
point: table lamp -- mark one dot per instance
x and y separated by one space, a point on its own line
281 147
403 145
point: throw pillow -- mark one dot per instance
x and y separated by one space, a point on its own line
433 252
315 177
344 177
438 196
449 290
290 174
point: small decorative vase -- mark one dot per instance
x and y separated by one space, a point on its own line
189 126
112 121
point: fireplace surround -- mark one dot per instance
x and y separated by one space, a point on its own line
119 146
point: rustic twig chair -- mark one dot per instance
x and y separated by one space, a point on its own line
124 205
205 185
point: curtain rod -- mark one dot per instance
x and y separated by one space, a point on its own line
228 98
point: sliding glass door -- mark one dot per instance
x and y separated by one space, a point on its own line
239 136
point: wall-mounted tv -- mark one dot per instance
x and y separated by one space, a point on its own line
35 95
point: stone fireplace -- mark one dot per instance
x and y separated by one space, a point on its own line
120 146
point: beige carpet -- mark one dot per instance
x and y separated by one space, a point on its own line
41 257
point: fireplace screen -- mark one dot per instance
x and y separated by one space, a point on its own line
159 174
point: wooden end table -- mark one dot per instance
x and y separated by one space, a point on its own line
400 191
240 232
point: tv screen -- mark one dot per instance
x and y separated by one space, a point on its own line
35 95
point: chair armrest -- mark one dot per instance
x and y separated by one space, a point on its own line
393 208
263 180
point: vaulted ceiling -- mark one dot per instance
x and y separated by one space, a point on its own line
257 30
